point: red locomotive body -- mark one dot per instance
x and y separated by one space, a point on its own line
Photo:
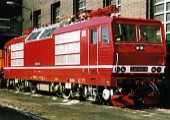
113 60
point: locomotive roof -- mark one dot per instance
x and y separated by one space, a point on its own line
104 20
82 24
46 32
49 31
42 33
17 39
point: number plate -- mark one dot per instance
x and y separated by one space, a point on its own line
68 85
139 69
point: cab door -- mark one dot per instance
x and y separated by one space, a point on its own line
93 50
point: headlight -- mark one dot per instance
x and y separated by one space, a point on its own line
137 47
123 69
117 69
153 69
141 47
159 69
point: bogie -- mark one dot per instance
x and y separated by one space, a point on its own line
33 87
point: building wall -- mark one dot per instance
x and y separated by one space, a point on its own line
65 12
129 8
133 8
93 4
66 9
26 14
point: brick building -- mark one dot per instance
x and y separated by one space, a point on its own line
37 13
44 12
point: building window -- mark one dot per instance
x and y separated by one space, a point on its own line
82 5
37 18
159 8
162 12
168 27
113 1
75 7
168 6
168 17
168 37
108 2
55 10
119 1
160 17
156 1
78 6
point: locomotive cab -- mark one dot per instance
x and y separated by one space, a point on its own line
139 60
139 42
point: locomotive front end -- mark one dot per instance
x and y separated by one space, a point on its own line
139 62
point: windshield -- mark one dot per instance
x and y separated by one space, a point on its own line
150 33
128 33
125 32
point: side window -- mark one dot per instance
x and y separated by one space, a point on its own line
94 36
47 33
105 36
33 36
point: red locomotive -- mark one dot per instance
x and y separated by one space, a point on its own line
109 59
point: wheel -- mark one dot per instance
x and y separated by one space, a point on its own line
33 87
17 87
57 89
106 94
22 85
83 93
66 93
73 93
7 83
106 97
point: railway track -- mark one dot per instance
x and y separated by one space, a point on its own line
45 105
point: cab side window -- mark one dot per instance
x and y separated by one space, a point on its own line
105 36
94 36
